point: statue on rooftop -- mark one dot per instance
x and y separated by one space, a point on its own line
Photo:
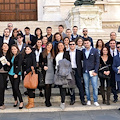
84 2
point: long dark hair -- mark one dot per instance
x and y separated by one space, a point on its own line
15 29
44 53
36 47
101 41
14 45
101 52
40 31
1 51
57 50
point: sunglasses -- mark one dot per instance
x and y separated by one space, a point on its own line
10 26
71 44
85 31
118 47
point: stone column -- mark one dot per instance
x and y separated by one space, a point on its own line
40 9
51 10
86 16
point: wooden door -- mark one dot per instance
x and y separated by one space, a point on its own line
27 10
18 10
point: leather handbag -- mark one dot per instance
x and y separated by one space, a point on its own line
101 72
41 82
31 80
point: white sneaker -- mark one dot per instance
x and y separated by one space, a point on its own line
96 104
62 106
88 102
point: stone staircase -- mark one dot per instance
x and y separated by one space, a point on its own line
105 35
55 100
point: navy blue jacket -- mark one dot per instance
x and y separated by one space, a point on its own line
92 62
11 42
116 63
76 36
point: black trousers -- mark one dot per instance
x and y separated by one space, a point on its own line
79 86
15 82
31 93
3 78
102 82
113 85
47 93
62 93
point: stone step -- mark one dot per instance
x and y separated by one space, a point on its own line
32 24
55 98
55 108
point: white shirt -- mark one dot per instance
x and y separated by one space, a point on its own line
58 58
6 41
73 58
115 52
11 33
37 53
19 46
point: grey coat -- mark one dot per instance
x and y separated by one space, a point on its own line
64 75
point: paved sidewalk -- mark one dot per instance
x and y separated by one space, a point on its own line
83 115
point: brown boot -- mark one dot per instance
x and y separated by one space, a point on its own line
31 103
28 102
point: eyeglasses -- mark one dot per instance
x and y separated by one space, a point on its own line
84 30
71 44
118 47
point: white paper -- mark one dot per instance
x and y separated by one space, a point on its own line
3 60
118 68
91 73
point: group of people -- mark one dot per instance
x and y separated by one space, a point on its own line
19 52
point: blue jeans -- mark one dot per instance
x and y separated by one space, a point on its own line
94 82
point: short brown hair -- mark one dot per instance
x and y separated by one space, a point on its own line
76 40
57 33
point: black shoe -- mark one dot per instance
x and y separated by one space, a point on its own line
21 107
115 100
72 102
26 92
41 94
15 105
48 104
83 102
118 108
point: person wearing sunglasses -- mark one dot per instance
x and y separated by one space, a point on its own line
116 66
10 27
76 62
85 36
